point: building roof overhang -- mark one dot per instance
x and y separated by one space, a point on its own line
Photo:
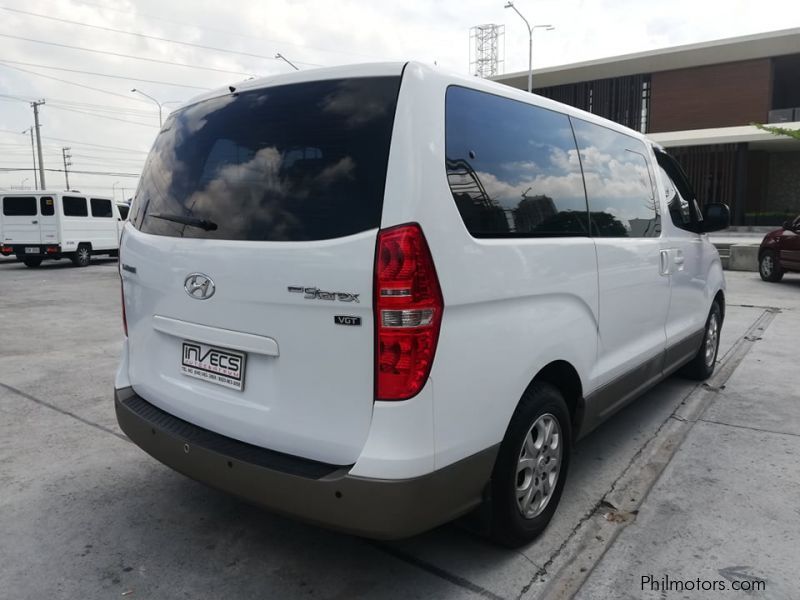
757 139
760 45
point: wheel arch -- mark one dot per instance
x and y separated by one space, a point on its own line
719 298
563 376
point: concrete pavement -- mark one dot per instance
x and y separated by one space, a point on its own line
726 508
84 513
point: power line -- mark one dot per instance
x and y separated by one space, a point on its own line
110 174
88 87
95 74
116 148
95 115
146 36
88 105
130 56
230 33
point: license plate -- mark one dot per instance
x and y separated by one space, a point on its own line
214 365
31 250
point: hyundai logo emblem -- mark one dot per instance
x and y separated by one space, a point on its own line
199 286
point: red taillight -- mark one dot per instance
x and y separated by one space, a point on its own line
408 312
52 250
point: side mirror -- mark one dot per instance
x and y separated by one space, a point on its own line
787 225
716 216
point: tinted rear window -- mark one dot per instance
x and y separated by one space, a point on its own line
288 163
19 207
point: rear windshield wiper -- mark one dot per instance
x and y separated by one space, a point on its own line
190 221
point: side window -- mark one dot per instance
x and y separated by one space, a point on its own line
74 207
123 211
679 210
47 207
101 208
512 168
21 206
683 208
619 182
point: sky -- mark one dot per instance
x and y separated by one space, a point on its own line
90 109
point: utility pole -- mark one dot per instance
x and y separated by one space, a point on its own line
67 163
36 106
33 155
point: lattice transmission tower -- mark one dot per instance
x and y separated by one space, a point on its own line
487 44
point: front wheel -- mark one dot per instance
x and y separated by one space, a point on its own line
82 256
769 268
701 366
531 467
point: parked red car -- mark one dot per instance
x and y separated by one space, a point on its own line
780 251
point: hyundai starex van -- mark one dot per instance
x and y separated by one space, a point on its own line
378 297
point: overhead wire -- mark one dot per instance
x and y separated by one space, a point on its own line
230 33
82 85
149 37
129 56
96 74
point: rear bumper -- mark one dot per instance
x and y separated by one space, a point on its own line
42 250
316 492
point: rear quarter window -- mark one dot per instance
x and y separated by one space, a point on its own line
20 206
289 163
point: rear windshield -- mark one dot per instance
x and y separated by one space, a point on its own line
288 163
19 207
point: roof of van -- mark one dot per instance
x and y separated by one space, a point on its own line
396 69
53 193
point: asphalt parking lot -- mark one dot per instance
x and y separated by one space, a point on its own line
86 514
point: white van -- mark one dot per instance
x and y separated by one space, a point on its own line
378 297
37 226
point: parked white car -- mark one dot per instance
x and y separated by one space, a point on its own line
379 297
41 225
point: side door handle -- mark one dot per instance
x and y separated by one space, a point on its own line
664 266
35 222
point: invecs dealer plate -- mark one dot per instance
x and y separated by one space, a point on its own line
214 365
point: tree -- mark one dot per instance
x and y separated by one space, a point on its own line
792 133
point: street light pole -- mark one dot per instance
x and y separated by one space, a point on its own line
160 120
33 155
287 61
510 4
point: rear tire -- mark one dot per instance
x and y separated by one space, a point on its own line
32 262
82 256
531 467
702 365
769 268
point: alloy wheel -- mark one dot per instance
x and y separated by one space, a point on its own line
539 465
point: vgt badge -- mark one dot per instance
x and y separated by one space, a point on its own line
199 286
